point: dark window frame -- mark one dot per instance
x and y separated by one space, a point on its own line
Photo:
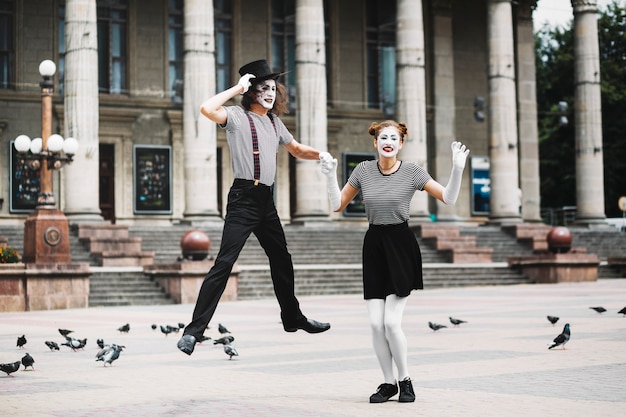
175 52
223 18
112 15
381 36
284 45
7 43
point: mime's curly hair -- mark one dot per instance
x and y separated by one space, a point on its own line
376 127
281 105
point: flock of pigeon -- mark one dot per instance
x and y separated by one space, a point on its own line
109 353
560 340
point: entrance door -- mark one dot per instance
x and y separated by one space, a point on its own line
107 181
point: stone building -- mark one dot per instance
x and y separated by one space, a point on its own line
131 75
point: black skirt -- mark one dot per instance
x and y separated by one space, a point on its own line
392 261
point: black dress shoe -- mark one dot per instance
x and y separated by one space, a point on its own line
186 344
308 325
383 393
407 395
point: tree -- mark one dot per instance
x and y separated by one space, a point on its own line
555 83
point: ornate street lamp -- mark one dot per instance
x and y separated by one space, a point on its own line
46 230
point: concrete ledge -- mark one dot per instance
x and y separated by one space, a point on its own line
552 268
470 255
436 230
123 258
49 286
182 280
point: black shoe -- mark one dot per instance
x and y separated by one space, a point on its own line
383 393
406 391
186 344
308 325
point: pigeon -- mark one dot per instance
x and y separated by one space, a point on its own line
125 328
175 329
224 340
622 311
456 322
561 339
74 343
165 330
181 325
553 319
154 326
21 341
52 345
9 368
600 310
65 332
222 329
435 326
108 354
27 361
203 338
230 351
100 343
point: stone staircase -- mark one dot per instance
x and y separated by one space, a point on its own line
125 286
327 258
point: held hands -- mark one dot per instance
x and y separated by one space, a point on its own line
245 83
328 165
459 155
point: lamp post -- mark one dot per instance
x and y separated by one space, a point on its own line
46 230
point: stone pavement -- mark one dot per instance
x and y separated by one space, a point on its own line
497 364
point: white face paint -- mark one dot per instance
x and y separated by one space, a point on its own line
266 93
388 142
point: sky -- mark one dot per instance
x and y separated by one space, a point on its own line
559 12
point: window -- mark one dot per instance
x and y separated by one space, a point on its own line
175 50
7 14
223 35
112 15
327 35
381 55
284 44
61 42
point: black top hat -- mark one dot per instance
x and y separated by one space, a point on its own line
260 69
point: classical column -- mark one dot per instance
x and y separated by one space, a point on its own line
411 92
311 102
527 102
199 133
81 121
444 118
504 199
588 115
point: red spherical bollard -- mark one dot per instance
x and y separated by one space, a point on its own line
195 245
559 240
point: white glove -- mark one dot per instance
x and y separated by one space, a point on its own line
459 156
328 167
245 83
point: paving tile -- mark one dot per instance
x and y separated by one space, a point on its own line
496 364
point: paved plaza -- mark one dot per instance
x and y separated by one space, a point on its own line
496 364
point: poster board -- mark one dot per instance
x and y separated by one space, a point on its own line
355 208
481 185
152 179
24 183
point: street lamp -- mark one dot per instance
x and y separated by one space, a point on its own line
46 230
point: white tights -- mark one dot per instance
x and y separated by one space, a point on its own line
387 335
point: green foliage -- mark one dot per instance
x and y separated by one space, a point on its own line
8 255
555 82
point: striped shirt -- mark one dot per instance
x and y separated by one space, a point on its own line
240 143
387 197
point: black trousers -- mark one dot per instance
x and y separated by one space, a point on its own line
250 209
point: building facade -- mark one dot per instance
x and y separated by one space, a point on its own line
131 75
